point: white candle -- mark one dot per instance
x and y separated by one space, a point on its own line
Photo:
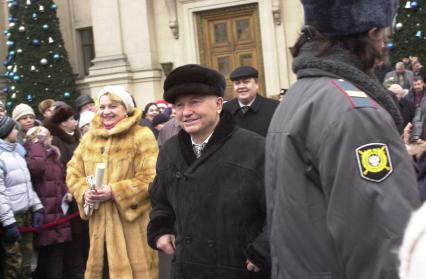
99 176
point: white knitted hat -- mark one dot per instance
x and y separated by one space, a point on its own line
412 254
121 93
22 110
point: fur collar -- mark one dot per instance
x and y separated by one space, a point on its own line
222 132
98 130
341 63
57 131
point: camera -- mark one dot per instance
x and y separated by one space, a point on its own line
417 130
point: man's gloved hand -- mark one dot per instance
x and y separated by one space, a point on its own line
11 233
38 218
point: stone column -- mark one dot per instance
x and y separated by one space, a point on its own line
110 56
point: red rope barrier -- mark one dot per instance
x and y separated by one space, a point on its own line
49 225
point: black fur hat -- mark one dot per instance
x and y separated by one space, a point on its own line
193 79
61 113
347 17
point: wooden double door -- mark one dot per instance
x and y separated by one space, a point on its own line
229 38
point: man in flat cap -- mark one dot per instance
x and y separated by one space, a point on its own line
340 185
251 110
208 202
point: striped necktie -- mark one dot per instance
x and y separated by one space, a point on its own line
244 109
198 149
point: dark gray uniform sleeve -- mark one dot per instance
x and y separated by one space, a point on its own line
365 218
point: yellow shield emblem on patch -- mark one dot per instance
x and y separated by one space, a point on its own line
374 161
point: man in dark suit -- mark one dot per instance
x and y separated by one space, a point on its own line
251 111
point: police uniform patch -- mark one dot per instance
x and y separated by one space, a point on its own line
355 96
374 161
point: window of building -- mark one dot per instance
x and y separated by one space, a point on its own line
87 48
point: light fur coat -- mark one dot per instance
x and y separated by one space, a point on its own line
130 153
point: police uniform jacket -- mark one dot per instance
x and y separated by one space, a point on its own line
257 118
215 205
340 184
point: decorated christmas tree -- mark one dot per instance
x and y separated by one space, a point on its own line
409 36
37 65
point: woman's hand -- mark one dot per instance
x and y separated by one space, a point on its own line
98 195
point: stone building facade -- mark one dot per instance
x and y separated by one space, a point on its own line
135 43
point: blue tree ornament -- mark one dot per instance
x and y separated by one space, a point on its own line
390 45
35 42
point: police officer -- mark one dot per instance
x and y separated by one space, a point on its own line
340 184
251 111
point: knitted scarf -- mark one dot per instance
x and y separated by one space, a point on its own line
341 63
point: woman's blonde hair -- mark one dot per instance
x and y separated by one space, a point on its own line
114 99
37 134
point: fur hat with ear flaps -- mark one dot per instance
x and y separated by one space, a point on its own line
347 17
193 79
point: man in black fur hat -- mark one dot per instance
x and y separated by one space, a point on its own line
340 186
208 202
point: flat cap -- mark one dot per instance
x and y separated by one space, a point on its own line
193 79
243 72
81 101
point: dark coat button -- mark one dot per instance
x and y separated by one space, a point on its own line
188 239
210 243
134 206
178 175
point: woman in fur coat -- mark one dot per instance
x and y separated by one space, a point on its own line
118 247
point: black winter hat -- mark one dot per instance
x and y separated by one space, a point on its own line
61 113
6 126
193 79
347 17
159 119
243 72
81 101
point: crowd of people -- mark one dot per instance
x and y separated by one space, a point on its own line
319 185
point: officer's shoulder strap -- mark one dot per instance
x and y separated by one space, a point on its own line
356 97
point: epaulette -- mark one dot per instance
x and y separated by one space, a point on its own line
356 97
